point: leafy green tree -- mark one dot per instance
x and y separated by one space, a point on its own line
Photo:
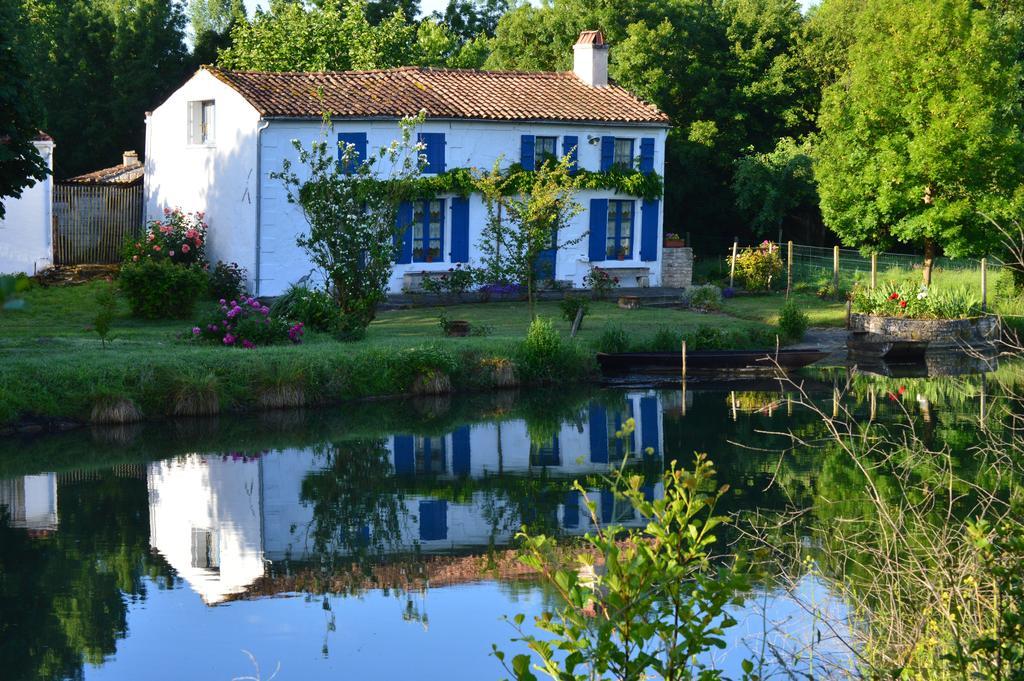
212 22
921 135
469 19
293 37
20 163
778 186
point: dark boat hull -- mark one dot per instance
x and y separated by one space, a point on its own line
709 360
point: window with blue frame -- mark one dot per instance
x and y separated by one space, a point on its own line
545 453
430 455
623 153
428 230
619 237
544 150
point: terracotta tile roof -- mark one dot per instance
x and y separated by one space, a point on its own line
121 174
442 93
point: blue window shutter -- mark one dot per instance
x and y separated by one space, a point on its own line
357 140
405 457
647 155
648 424
571 148
433 520
528 148
598 228
607 506
607 153
571 514
598 434
403 239
460 451
649 231
460 229
434 144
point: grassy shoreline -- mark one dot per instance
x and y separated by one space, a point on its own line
54 368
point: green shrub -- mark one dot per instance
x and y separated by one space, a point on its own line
759 268
571 305
315 309
706 298
707 338
792 321
160 289
541 351
665 340
613 339
106 307
227 281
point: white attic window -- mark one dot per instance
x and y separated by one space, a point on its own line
200 122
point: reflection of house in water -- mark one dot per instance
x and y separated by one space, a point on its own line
217 519
31 501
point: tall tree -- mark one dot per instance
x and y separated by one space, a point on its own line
212 21
20 164
921 135
469 19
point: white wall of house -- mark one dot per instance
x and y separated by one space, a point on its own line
475 144
219 178
26 232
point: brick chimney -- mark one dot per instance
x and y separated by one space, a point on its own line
590 59
130 158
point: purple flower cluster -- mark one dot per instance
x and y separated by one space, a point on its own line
295 333
245 323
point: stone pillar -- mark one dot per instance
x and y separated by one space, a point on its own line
677 267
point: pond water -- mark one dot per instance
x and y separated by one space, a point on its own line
374 540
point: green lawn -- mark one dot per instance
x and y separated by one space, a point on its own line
765 308
53 365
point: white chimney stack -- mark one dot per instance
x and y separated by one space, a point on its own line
590 59
130 158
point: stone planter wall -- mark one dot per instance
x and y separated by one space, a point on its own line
927 330
677 267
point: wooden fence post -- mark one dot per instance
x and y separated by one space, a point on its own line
984 284
835 266
732 262
874 270
789 267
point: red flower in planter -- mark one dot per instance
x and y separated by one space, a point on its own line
903 304
894 296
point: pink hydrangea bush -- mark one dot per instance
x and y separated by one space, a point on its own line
179 237
245 323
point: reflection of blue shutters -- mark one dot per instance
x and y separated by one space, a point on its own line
460 451
647 155
607 506
598 434
434 151
598 229
460 229
570 148
571 514
403 240
649 232
405 456
648 491
649 424
357 140
607 153
433 520
527 154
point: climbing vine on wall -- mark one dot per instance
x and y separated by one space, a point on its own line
463 181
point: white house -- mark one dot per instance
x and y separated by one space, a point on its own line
26 231
213 144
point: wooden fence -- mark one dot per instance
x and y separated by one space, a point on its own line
91 222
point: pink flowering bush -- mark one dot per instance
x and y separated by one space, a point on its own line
163 271
245 323
178 237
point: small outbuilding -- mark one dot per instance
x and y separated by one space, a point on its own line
26 244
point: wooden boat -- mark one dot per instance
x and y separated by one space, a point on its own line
706 360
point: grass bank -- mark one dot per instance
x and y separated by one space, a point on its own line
765 307
53 366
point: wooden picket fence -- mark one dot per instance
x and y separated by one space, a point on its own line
91 222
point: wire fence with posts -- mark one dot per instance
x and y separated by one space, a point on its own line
816 268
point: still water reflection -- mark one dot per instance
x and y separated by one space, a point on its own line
373 542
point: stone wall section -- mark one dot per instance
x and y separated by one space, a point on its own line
677 267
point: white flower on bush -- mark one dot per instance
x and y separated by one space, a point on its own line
922 293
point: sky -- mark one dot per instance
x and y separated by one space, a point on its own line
429 6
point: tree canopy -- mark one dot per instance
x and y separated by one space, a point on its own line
921 134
